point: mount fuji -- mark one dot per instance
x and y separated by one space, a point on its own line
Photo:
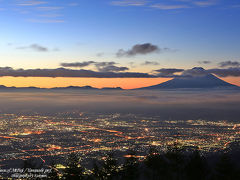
201 79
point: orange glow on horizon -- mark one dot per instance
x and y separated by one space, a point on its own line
125 83
232 80
46 82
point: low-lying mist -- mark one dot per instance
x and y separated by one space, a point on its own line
211 105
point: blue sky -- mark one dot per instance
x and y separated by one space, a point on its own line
81 30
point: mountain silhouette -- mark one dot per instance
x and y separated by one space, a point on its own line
2 87
198 79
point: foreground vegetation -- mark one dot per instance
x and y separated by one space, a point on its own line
173 164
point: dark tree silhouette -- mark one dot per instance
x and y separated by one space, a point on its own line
106 169
175 164
130 170
225 169
177 161
157 166
196 168
73 171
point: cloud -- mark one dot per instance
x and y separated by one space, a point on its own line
62 72
204 62
129 3
73 4
199 71
35 47
78 64
100 54
229 63
100 66
139 49
226 72
169 72
109 67
48 11
169 7
45 20
150 63
112 71
31 3
196 71
112 68
205 3
49 8
179 4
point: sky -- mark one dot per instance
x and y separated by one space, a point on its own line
127 43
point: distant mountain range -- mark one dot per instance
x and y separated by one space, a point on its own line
205 81
198 81
60 88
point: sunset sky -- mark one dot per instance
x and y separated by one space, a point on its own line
126 43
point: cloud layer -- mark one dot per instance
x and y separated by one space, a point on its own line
62 72
197 71
110 70
229 63
167 5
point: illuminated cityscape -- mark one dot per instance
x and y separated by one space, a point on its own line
91 134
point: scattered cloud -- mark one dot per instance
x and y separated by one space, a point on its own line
205 3
35 47
204 62
196 71
109 67
45 21
226 72
112 68
199 71
49 8
51 15
39 11
236 6
150 63
169 7
229 63
129 3
78 64
73 4
30 3
103 64
169 72
100 54
132 64
140 49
